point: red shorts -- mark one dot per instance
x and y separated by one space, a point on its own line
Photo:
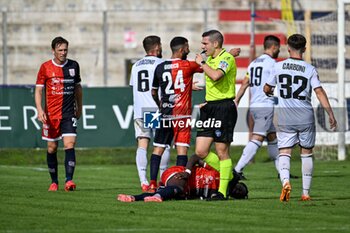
170 172
182 135
55 129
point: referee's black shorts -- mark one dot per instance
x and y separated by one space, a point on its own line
223 111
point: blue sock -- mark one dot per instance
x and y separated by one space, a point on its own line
181 160
52 165
169 192
155 162
142 196
69 163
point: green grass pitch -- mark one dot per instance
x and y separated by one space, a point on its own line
101 174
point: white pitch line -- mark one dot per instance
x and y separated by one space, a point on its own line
21 167
45 169
330 171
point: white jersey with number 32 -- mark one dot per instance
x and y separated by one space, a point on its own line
142 75
295 80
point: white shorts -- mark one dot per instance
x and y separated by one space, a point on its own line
140 131
290 135
263 120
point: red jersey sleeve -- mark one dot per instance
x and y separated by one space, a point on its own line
195 68
41 77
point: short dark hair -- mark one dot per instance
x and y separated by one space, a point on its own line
296 41
58 41
271 40
177 42
239 191
214 35
150 42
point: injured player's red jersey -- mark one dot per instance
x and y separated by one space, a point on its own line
202 181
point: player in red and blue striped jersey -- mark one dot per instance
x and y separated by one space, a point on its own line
59 80
174 78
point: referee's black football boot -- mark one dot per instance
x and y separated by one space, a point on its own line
238 175
217 196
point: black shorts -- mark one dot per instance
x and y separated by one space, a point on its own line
223 111
163 136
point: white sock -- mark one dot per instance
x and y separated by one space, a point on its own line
141 164
164 162
248 154
276 161
284 167
307 166
272 148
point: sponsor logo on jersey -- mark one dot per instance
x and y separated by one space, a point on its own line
72 72
68 80
168 105
55 80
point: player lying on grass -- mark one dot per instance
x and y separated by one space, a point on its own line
197 180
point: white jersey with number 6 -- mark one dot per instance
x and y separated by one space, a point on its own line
142 75
295 80
258 73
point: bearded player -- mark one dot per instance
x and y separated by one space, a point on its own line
174 79
141 79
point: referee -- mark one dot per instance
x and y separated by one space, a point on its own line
220 76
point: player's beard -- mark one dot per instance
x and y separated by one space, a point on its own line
275 55
160 54
184 56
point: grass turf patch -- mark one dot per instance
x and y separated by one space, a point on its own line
26 206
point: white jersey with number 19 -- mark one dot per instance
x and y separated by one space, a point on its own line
295 80
142 75
258 73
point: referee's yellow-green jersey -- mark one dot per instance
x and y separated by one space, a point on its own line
225 87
